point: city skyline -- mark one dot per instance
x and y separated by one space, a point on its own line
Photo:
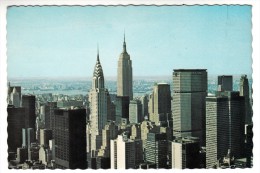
170 125
173 35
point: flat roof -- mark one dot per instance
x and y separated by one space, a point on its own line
161 83
189 70
225 76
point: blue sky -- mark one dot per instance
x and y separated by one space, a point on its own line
62 41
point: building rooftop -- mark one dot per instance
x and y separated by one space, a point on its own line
186 140
161 83
188 70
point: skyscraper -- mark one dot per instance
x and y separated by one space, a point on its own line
186 153
124 74
49 115
109 132
244 91
70 138
10 90
15 98
225 83
188 105
98 98
159 105
135 111
125 153
46 114
122 108
225 124
144 101
249 144
146 127
16 122
236 104
28 102
45 136
217 129
135 131
28 137
157 149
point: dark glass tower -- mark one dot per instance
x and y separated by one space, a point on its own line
28 102
122 108
16 122
70 138
244 91
225 83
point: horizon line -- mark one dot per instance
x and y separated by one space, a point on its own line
109 77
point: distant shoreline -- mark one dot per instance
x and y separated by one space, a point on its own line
114 78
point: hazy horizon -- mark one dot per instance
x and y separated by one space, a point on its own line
115 77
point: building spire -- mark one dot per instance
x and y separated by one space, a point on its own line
124 45
97 53
98 76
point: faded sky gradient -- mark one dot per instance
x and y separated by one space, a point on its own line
62 41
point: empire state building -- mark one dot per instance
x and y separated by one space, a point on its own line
124 74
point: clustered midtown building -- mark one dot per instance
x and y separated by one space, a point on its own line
185 128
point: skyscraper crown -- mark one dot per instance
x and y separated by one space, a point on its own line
124 53
124 45
98 76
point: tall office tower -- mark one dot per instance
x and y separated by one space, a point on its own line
236 112
249 144
22 154
28 102
15 98
144 101
146 127
122 108
45 136
188 105
244 91
45 155
186 153
111 109
70 138
33 151
109 132
237 124
157 149
98 98
42 113
125 153
135 111
124 74
217 129
225 83
16 122
135 131
49 115
10 91
160 103
28 137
